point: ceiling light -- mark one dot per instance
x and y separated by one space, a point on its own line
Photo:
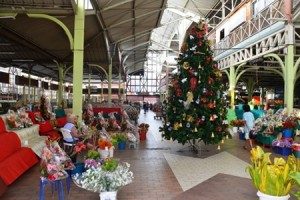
21 60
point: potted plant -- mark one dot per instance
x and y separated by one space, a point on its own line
272 180
107 178
121 139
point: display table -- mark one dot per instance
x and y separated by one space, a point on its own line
265 139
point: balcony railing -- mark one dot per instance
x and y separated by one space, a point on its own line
267 17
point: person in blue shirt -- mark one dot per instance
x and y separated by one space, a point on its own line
248 118
72 126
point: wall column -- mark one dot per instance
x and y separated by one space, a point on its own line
232 84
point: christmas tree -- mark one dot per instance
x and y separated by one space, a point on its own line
195 107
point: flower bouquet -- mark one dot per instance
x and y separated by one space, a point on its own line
105 147
109 176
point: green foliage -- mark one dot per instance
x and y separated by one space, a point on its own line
121 137
93 154
110 165
195 107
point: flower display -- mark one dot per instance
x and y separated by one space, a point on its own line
107 176
283 143
237 123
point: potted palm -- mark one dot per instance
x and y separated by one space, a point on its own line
273 180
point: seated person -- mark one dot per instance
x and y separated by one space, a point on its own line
72 126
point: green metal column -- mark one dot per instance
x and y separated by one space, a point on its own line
109 81
89 87
289 79
232 84
78 59
29 87
289 73
60 83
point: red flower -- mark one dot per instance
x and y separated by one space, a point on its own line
289 124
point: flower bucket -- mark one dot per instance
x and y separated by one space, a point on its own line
287 133
143 135
285 151
108 195
79 168
122 145
263 196
106 153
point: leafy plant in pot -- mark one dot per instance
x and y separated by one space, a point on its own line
273 180
121 138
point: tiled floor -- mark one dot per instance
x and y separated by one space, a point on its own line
165 170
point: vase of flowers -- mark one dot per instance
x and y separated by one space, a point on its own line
108 176
105 148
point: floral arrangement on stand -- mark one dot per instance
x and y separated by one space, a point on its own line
18 121
54 162
107 176
133 113
112 123
45 108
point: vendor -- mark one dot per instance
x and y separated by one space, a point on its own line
71 125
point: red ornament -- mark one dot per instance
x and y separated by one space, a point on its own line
199 35
200 43
183 48
193 82
219 129
211 105
191 71
210 80
208 59
203 100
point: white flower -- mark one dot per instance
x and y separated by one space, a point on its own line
99 180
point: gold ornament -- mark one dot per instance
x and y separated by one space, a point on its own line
212 135
190 97
222 141
199 67
176 125
219 148
189 118
195 130
180 124
226 137
186 65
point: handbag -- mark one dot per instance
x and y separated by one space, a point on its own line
252 134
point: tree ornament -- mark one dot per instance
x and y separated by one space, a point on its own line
212 134
191 37
190 97
204 90
195 73
176 125
203 100
191 71
188 125
193 82
203 118
195 130
219 148
222 141
184 80
189 118
180 124
198 101
186 65
211 105
199 66
210 80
